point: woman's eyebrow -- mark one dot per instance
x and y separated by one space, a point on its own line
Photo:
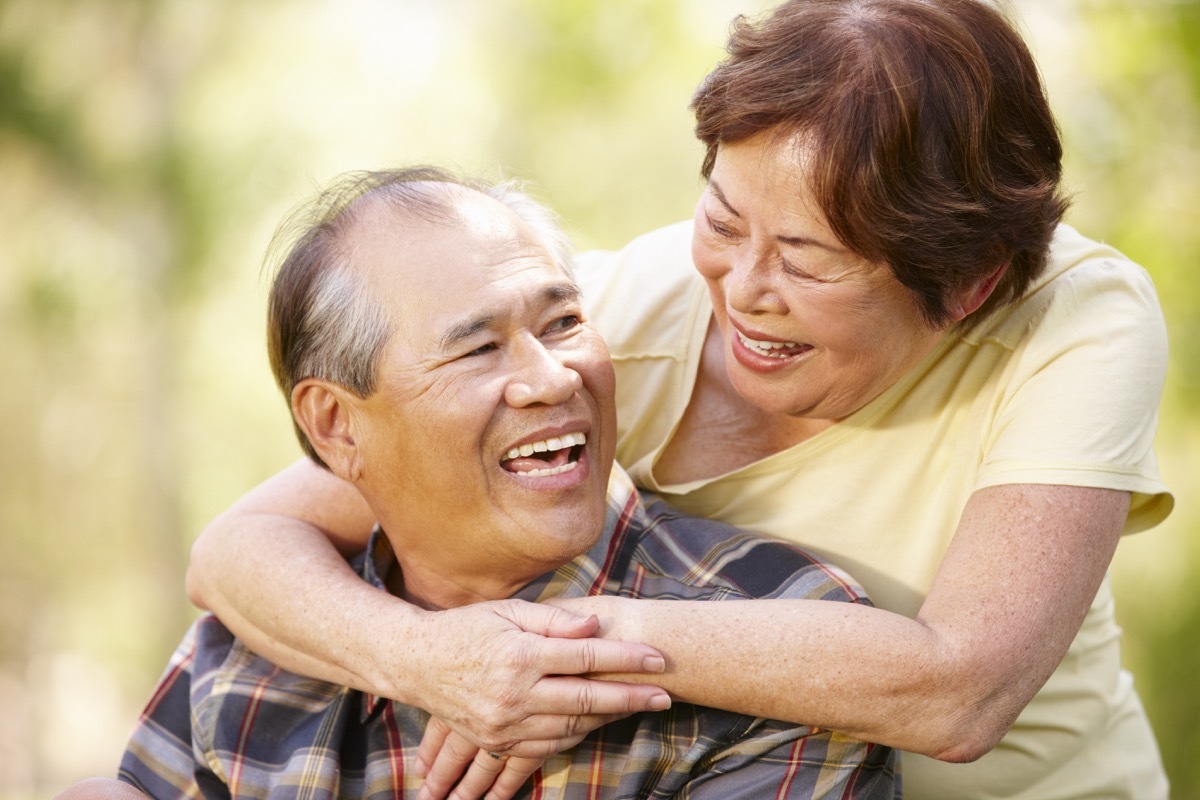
793 241
717 193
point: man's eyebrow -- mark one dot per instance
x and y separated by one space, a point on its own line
553 295
465 330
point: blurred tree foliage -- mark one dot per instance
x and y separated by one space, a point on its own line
150 146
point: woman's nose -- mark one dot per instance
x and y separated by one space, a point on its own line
749 288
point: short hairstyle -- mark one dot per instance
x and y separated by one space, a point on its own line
322 321
934 147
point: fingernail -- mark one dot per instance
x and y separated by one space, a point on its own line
654 664
660 702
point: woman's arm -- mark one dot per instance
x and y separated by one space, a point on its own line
272 569
1008 599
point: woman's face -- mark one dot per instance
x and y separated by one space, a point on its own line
810 329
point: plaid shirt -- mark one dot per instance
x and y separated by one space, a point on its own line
225 723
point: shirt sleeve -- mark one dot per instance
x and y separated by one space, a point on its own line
694 558
780 760
159 758
1080 403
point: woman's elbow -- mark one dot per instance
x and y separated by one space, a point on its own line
964 737
194 583
962 749
196 578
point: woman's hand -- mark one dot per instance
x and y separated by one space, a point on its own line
506 676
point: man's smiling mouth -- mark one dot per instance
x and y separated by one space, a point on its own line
552 456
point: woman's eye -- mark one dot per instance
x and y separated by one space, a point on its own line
720 228
796 272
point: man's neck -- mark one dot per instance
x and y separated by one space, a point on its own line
426 588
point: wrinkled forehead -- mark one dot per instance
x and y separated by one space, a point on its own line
423 271
464 227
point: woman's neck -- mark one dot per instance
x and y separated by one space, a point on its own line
721 431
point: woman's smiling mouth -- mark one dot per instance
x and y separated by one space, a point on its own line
770 349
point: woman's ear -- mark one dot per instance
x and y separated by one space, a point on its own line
324 411
972 298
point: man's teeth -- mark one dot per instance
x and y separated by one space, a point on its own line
765 348
540 473
547 446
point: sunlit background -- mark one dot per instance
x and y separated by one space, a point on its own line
147 150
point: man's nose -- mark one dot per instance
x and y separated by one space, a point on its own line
540 375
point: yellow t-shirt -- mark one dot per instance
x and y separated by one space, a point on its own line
1061 388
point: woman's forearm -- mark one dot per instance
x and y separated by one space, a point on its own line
1011 593
269 569
502 672
862 671
286 592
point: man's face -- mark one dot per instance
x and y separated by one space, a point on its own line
487 445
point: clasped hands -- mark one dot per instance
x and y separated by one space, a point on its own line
504 683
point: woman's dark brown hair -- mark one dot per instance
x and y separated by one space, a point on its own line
933 145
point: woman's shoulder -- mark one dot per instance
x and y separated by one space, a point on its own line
1085 283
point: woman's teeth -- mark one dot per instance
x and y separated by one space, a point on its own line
765 348
547 446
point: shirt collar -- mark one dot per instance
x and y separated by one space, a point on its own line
591 573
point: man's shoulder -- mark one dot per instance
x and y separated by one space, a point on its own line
681 556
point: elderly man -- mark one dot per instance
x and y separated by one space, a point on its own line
432 344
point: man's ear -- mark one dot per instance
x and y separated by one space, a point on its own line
972 298
324 411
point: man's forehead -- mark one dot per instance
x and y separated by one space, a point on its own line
436 278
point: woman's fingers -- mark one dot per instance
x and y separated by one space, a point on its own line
492 675
560 708
558 656
568 643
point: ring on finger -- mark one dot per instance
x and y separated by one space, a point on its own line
497 756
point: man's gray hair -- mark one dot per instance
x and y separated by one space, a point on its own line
322 321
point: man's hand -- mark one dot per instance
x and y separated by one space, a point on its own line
444 755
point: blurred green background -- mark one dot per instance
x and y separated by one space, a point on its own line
147 150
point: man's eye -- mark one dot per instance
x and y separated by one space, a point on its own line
478 351
564 323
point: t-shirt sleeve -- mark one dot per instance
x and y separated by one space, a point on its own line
650 304
1079 404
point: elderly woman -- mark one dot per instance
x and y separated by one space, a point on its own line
884 346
